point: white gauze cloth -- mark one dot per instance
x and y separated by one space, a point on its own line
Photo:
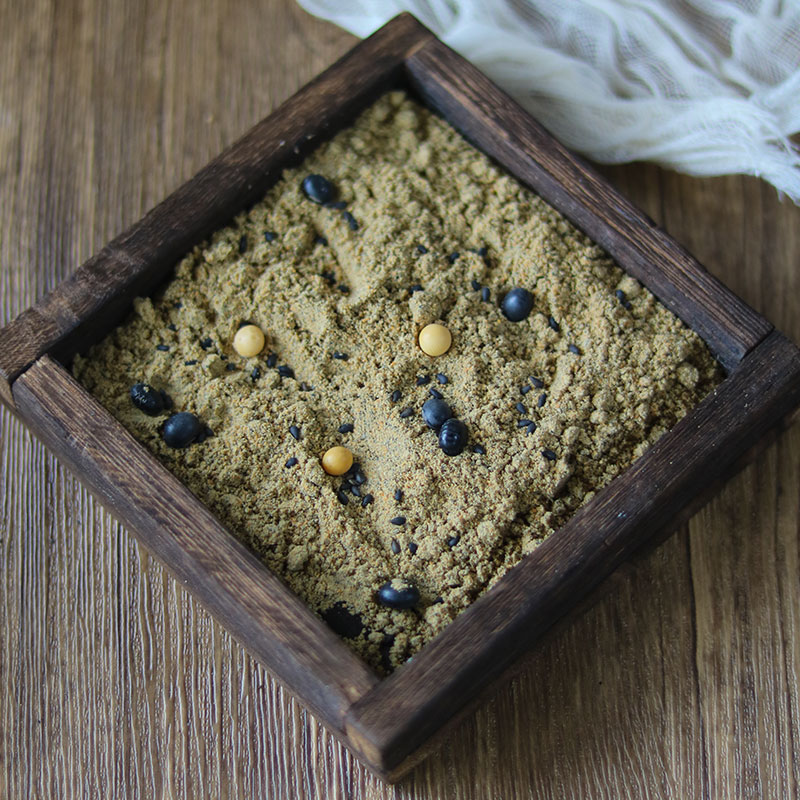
707 87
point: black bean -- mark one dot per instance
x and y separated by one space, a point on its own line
318 188
398 520
436 412
181 429
398 594
291 462
346 427
343 621
147 399
406 412
549 455
453 436
366 500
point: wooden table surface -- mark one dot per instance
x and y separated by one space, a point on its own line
682 680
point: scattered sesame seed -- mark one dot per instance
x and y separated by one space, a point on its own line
412 548
328 276
531 428
521 408
524 389
359 478
422 249
243 245
285 372
366 500
350 220
162 347
344 288
341 496
272 360
483 252
177 304
453 257
172 326
436 393
206 343
523 423
620 295
573 348
398 495
542 400
295 431
354 490
255 374
291 462
453 541
479 449
341 356
485 294
398 520
423 379
270 236
441 377
417 287
475 285
406 412
549 455
347 427
322 240
395 395
230 367
190 363
553 324
395 547
537 382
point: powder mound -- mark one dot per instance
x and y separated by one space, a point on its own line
423 229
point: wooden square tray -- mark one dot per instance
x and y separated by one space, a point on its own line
390 723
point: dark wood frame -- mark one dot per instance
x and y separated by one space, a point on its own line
390 724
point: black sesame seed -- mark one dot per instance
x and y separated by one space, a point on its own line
395 395
354 490
318 188
162 347
350 220
453 257
346 427
423 379
341 356
475 285
422 249
172 326
453 541
398 495
341 496
537 382
177 304
417 287
206 343
412 548
270 236
190 363
553 324
521 408
344 288
285 372
479 449
366 500
406 412
272 360
395 547
549 455
398 520
358 477
523 423
435 393
542 400
483 252
441 377
322 240
485 294
255 374
620 295
243 245
230 367
304 387
524 389
328 276
531 428
291 462
295 431
573 348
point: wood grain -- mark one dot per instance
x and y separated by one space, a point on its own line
683 681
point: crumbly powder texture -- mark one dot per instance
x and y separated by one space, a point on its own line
426 229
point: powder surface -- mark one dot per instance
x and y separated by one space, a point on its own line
427 229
